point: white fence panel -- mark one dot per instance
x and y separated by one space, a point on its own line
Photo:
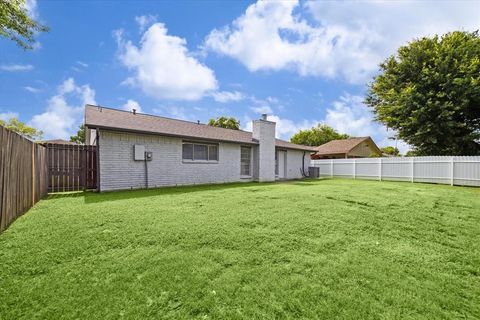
443 169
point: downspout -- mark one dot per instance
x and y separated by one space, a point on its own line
97 140
303 165
146 171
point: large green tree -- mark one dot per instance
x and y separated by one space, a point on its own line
17 25
225 122
80 136
393 151
429 92
21 128
317 136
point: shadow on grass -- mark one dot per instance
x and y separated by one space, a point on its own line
93 197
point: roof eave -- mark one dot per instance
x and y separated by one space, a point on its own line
93 126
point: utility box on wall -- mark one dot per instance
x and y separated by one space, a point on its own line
138 152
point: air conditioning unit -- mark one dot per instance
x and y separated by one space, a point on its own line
314 172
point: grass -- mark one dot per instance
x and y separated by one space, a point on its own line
315 249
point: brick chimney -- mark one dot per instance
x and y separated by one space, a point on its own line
264 132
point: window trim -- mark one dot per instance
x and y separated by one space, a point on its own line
207 144
244 176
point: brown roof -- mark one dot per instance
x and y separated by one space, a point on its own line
342 146
108 118
57 141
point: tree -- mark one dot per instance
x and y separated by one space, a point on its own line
390 151
411 153
225 122
317 136
80 136
15 24
429 92
21 128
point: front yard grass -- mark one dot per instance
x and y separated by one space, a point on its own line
321 249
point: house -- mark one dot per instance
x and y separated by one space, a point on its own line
139 151
58 141
360 147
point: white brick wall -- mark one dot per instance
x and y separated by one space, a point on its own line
118 170
264 132
294 163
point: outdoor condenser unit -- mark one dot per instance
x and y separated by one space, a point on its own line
314 172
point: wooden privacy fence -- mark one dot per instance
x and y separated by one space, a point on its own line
23 175
71 167
464 171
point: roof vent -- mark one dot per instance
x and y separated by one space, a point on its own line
264 116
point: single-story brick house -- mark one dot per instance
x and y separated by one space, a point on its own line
137 150
359 147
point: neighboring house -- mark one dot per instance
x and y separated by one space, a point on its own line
361 147
58 141
184 153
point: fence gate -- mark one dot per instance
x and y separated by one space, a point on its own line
71 167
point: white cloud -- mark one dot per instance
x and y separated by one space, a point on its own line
331 39
82 64
349 115
175 112
5 116
227 96
62 117
163 67
132 104
31 6
32 89
16 67
285 128
144 21
262 109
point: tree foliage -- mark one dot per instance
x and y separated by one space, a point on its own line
429 92
80 136
21 128
225 122
15 24
390 151
317 136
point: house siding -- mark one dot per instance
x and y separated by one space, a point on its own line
118 170
294 163
362 150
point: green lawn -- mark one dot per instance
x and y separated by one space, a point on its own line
315 249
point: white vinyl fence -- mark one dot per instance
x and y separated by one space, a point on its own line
463 171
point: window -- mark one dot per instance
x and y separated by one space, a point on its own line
245 161
187 151
200 152
213 153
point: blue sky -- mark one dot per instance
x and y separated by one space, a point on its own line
300 62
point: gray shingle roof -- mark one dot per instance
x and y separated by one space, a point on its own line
108 118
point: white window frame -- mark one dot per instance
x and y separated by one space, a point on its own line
250 164
208 145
